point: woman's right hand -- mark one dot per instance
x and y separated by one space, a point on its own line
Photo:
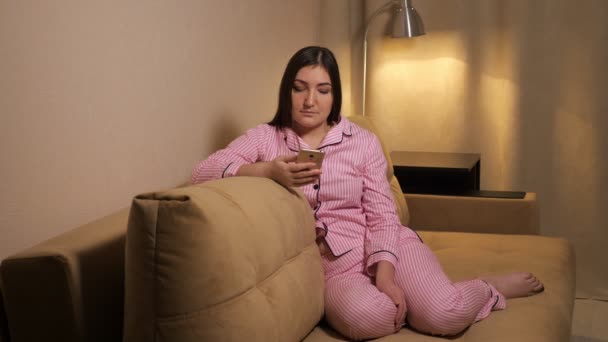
284 171
385 282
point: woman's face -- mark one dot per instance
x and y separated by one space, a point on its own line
311 99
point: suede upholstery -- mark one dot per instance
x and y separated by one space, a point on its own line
69 288
222 260
544 317
475 214
235 260
3 322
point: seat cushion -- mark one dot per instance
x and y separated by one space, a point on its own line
226 260
544 317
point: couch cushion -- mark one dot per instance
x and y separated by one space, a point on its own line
544 317
227 260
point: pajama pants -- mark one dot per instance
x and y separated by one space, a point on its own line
435 305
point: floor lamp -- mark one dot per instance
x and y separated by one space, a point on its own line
406 24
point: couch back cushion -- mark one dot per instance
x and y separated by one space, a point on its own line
227 260
402 209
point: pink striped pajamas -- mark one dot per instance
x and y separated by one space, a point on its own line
354 208
435 305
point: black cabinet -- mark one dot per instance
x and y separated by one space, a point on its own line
436 172
443 173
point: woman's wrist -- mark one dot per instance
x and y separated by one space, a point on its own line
385 272
259 169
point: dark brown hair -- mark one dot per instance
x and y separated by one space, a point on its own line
311 55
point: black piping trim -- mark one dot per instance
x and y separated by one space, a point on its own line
320 147
496 302
332 144
418 235
383 251
224 172
350 131
492 294
318 206
337 256
326 228
286 144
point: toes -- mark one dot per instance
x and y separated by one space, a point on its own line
533 283
537 289
536 284
531 278
528 275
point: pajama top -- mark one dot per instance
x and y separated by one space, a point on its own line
351 202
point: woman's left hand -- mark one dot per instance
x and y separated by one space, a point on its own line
385 282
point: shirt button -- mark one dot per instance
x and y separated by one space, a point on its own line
316 186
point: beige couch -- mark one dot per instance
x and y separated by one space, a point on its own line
235 260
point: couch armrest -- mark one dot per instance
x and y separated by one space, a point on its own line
69 288
474 214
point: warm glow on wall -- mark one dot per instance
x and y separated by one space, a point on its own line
508 80
438 101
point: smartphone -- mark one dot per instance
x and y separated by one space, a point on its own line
310 156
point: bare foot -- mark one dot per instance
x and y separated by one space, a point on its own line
516 284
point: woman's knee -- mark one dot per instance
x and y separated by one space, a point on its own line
440 318
361 317
438 326
360 323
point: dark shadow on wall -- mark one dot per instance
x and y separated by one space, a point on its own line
588 44
538 79
471 36
599 89
561 114
225 129
440 15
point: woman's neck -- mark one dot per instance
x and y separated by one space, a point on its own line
312 137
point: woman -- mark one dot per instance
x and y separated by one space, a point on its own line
376 270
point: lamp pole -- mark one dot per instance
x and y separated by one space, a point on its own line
371 18
408 24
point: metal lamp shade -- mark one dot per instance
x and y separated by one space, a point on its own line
407 23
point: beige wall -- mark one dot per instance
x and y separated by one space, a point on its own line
511 80
340 31
101 100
